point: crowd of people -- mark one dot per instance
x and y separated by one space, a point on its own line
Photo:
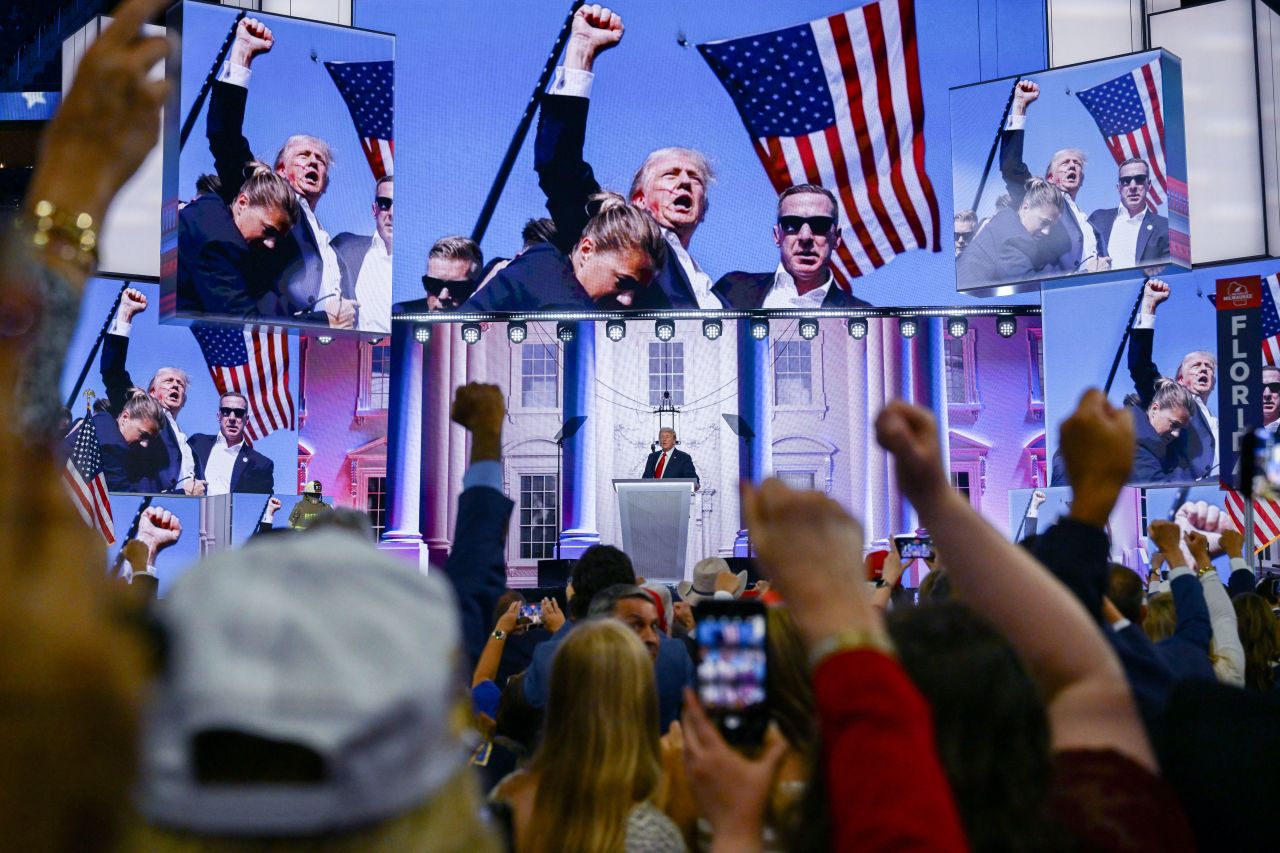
309 692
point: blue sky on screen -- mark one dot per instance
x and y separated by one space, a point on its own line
1056 120
289 93
152 346
465 73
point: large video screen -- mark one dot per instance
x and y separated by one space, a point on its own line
1077 171
867 120
280 187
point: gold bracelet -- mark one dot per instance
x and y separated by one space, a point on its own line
847 641
73 235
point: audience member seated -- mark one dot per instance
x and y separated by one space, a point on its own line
592 782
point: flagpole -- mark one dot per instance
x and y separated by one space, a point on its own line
131 535
1249 541
991 155
93 352
522 129
190 121
1124 339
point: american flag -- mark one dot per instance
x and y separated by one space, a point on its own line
369 91
838 102
1129 113
87 482
1270 319
1266 517
253 361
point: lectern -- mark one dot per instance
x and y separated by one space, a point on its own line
655 525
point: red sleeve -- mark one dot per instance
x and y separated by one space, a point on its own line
885 787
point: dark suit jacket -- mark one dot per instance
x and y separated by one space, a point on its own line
747 291
1065 237
160 462
295 269
540 279
215 264
680 465
252 473
351 249
127 468
1154 459
567 181
1004 251
1197 438
1153 236
477 564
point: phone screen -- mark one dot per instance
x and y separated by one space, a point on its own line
914 547
531 613
732 666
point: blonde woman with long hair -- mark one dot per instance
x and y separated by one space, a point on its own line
590 785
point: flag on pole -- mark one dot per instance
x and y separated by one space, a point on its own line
86 481
1270 319
1266 517
252 361
368 88
1129 113
838 102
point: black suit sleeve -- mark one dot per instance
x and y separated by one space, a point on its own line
565 177
198 456
477 563
649 465
1012 168
1101 231
220 282
258 476
225 131
1142 367
1077 555
115 376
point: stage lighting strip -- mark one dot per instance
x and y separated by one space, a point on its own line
779 314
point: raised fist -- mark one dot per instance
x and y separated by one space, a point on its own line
252 38
1023 95
478 407
132 302
1233 542
1154 292
159 529
1038 497
910 433
1166 535
595 29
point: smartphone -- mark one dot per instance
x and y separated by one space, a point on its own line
912 547
1260 463
733 655
530 614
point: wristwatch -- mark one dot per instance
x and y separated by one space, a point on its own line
499 634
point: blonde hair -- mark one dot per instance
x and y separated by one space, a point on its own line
1041 193
616 226
267 189
599 755
142 406
1162 618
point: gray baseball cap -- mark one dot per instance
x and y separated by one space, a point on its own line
319 641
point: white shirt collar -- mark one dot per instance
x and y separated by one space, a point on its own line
1121 213
785 294
221 443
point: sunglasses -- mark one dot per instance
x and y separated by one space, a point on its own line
1140 180
817 224
459 289
383 203
1273 387
229 412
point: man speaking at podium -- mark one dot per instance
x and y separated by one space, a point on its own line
667 463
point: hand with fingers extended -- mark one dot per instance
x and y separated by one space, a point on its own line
552 615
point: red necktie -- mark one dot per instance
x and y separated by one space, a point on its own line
662 463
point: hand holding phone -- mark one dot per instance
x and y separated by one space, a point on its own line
914 547
732 668
530 614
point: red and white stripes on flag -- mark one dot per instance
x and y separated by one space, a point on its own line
838 102
252 361
86 482
1129 113
1266 517
1271 319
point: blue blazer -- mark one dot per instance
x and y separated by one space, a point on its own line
477 564
159 464
126 468
540 279
1153 236
214 264
1198 440
679 465
567 181
1003 251
253 473
1156 460
1065 236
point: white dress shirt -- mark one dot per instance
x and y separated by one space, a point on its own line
576 83
373 288
122 327
331 272
221 464
1122 246
784 294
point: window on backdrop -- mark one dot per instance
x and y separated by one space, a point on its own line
537 516
666 372
375 503
539 382
793 373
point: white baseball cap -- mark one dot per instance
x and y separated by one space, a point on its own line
319 641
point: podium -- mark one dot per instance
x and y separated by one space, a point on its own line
655 525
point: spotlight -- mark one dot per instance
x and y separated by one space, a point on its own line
665 329
324 340
712 329
808 329
615 330
759 329
957 327
517 332
907 327
566 332
1007 326
857 328
471 332
373 342
422 334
